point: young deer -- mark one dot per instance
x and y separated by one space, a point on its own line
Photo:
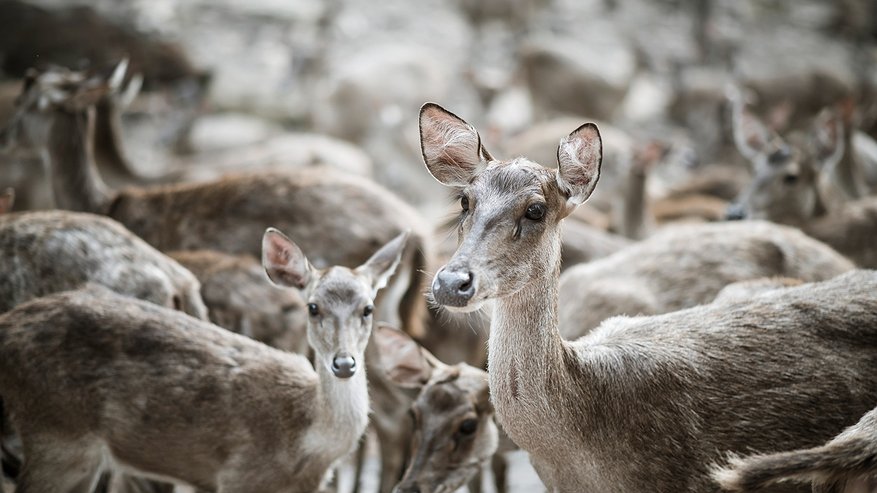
846 464
647 403
668 271
339 218
238 299
89 377
50 251
454 429
790 186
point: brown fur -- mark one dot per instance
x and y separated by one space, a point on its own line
846 464
339 218
687 265
645 404
446 453
52 251
239 298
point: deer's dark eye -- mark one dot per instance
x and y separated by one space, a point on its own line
790 179
468 426
367 310
313 309
535 212
464 203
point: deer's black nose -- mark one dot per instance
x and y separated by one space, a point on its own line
735 212
453 287
343 365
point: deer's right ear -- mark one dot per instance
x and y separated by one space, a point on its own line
579 157
284 262
402 358
451 147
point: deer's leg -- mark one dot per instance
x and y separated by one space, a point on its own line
53 465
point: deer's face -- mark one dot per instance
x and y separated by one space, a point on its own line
510 210
508 220
454 431
340 301
784 188
340 306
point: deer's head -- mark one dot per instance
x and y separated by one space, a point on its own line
454 431
785 187
340 301
510 210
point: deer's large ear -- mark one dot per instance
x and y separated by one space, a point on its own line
579 157
828 139
403 360
284 262
382 264
751 135
451 147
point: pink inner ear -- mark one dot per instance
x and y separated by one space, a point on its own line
278 252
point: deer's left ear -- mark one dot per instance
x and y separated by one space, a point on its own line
579 157
402 358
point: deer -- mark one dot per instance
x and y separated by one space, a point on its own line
845 464
7 200
238 299
640 403
798 178
50 251
339 218
666 272
228 413
455 433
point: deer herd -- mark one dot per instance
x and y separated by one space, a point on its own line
250 332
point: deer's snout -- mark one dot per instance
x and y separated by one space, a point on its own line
735 212
453 287
343 365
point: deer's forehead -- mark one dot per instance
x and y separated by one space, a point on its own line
340 285
516 178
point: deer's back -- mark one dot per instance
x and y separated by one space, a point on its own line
94 364
342 220
688 265
52 251
787 369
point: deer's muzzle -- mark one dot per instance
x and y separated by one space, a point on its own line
453 287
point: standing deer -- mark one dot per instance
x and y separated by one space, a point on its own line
454 429
339 218
644 403
93 380
797 176
686 265
846 464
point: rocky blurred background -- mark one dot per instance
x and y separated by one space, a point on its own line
310 81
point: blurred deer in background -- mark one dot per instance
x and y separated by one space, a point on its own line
341 218
798 176
645 403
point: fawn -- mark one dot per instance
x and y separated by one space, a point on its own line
94 381
644 403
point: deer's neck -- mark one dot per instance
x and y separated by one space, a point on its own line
845 170
341 414
526 352
75 181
